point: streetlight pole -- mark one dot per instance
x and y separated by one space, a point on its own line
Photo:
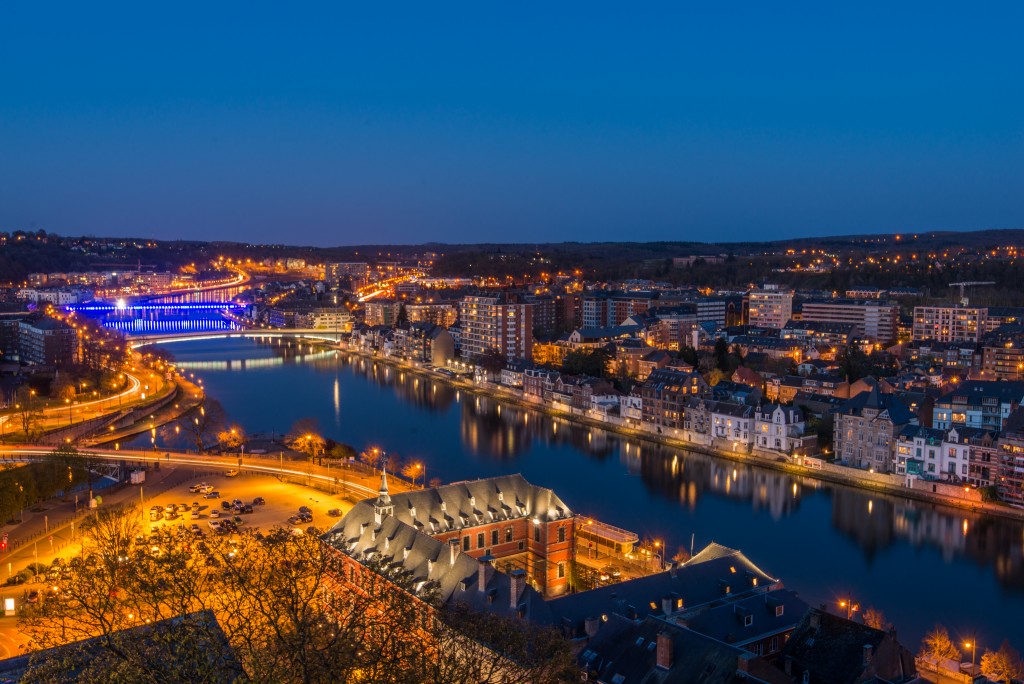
973 645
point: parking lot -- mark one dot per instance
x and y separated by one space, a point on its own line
283 501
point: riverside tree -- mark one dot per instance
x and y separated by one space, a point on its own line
290 610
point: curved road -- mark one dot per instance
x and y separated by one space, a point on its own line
318 473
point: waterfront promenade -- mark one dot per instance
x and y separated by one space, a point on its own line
833 473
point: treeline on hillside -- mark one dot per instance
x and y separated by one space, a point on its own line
23 486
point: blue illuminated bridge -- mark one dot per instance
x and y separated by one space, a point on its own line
155 318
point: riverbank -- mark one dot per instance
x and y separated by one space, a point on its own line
832 475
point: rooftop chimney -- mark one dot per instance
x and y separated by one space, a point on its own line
516 585
453 549
815 619
484 572
664 659
590 626
868 652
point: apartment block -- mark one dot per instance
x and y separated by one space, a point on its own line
950 323
499 322
874 319
770 308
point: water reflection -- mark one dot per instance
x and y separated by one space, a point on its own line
873 521
921 563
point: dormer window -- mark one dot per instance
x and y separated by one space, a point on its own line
779 610
748 620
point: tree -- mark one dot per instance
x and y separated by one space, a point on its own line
1004 665
412 470
29 413
491 361
372 456
875 619
689 355
231 439
582 362
62 388
305 437
938 645
292 609
721 353
203 422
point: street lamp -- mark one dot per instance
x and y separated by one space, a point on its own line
973 645
850 607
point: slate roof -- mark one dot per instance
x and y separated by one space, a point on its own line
626 653
403 538
976 391
703 579
832 649
899 413
727 622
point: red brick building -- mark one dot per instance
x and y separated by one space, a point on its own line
503 521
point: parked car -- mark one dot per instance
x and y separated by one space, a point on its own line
214 513
226 505
335 512
259 501
212 495
231 473
247 508
305 509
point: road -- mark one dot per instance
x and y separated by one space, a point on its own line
143 385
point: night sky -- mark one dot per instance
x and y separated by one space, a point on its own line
501 121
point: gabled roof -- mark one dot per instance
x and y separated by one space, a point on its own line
405 550
833 648
767 614
715 573
899 414
974 392
626 653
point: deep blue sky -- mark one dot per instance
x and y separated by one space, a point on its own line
501 121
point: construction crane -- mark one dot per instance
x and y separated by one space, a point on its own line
970 283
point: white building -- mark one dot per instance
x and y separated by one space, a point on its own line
778 428
732 422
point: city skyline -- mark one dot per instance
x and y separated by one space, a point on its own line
348 127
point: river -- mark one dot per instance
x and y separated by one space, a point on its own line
918 563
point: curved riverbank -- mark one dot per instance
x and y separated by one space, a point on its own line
852 480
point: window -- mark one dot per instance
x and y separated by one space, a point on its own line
561 533
536 533
522 545
773 645
480 540
465 543
494 537
748 620
778 611
561 570
508 534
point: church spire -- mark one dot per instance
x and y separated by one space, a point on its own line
382 494
382 506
